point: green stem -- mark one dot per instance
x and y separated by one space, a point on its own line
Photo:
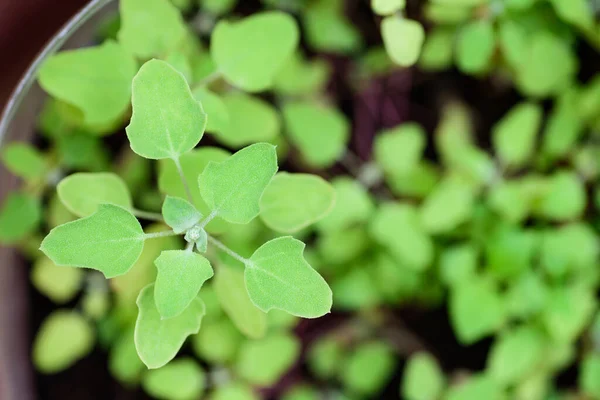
206 220
188 192
159 235
227 250
150 216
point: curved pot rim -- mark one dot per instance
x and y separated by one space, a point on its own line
55 43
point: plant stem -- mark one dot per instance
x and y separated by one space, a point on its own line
188 192
159 235
190 246
150 216
206 220
227 250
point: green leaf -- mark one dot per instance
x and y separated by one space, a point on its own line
368 368
86 78
216 110
460 3
218 7
516 354
527 296
19 217
565 197
123 361
475 47
181 63
24 161
60 284
403 39
476 309
95 304
110 241
589 374
419 182
64 338
251 120
515 134
167 121
387 7
81 151
328 30
83 193
325 357
179 214
577 12
150 28
181 274
477 387
182 379
397 227
510 252
438 49
292 202
250 52
570 248
356 290
158 340
192 164
262 362
563 129
234 391
448 206
218 341
232 294
534 78
399 150
232 188
353 206
301 77
458 263
278 277
302 392
567 312
320 133
423 378
342 246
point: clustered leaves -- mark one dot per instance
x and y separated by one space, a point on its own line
179 237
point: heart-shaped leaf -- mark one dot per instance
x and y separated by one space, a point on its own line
110 241
83 193
278 277
181 274
167 120
158 340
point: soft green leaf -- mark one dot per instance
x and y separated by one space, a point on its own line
368 368
63 339
515 134
19 217
399 150
476 309
460 3
328 30
262 362
82 151
110 241
510 252
516 354
356 290
458 263
418 182
95 303
218 341
83 193
181 274
577 12
234 391
301 77
158 340
342 246
302 393
167 120
570 248
215 108
475 46
182 379
250 52
444 13
397 227
527 295
423 378
477 387
179 214
563 129
181 63
565 197
123 361
438 49
232 188
320 133
192 164
387 7
60 284
231 291
513 40
394 281
150 28
87 79
325 357
589 375
218 7
403 39
448 206
567 312
24 161
353 206
251 120
292 202
278 277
